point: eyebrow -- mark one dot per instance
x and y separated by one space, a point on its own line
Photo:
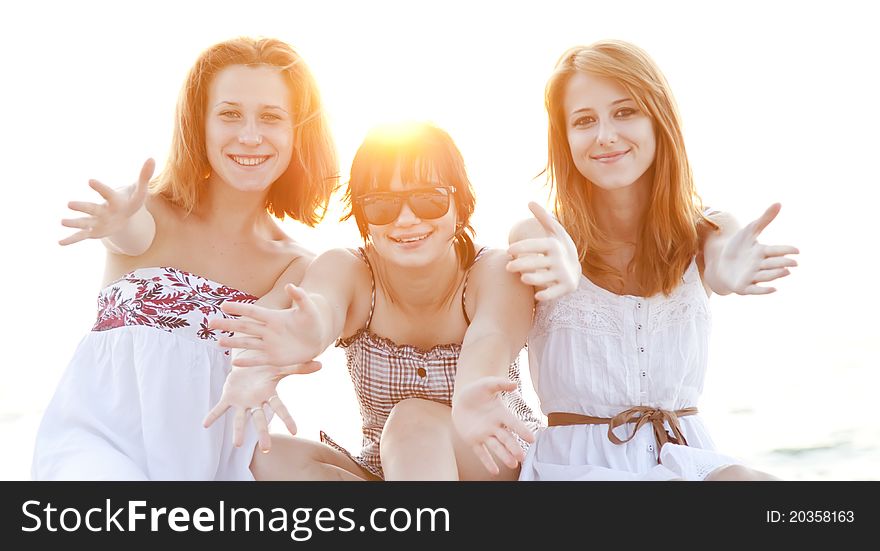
236 104
615 102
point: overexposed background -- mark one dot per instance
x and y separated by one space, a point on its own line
779 102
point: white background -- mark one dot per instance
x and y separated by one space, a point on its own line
779 102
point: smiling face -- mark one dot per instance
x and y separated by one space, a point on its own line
410 241
611 140
248 127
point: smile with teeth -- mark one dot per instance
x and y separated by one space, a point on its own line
249 160
409 239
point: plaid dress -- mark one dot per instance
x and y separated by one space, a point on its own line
384 373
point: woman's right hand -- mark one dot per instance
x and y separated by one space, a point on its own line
248 392
277 338
112 216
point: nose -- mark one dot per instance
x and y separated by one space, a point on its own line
250 134
607 134
406 217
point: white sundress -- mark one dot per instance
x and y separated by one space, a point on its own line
131 402
596 353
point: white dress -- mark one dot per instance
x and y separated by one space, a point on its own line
131 403
596 353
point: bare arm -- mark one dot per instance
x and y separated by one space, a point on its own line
503 314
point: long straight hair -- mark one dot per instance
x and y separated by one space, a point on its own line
668 236
304 189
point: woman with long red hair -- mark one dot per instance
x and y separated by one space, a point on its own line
619 364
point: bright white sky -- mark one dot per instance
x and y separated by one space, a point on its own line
779 102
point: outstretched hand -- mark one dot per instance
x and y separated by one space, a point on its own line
248 392
486 424
278 337
107 218
550 263
744 263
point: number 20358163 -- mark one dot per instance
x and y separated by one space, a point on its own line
810 516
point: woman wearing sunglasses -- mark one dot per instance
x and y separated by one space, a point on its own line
419 311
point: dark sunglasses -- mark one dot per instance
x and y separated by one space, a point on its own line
383 207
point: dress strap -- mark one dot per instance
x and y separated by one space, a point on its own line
464 288
363 254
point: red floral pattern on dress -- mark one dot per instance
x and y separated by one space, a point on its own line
173 301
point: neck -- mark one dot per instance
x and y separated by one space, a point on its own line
231 211
422 287
619 212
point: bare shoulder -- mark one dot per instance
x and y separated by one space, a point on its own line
489 273
527 228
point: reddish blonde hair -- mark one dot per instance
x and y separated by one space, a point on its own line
304 189
668 234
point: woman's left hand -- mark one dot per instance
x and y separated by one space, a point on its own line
486 424
744 263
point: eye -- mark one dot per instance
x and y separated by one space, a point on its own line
230 114
271 117
583 121
625 112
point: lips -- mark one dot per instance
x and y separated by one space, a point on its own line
611 156
249 160
411 238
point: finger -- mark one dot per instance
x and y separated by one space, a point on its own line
250 360
494 385
302 300
764 220
501 452
511 445
550 293
529 263
258 313
304 368
779 250
486 459
539 279
247 343
82 206
105 191
545 218
238 424
76 237
281 411
215 414
258 417
758 290
140 191
534 245
777 262
79 223
764 276
245 326
518 427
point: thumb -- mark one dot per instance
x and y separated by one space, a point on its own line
494 385
764 220
550 224
144 179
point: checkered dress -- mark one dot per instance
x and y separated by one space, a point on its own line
384 373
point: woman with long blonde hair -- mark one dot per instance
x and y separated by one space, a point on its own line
619 364
250 143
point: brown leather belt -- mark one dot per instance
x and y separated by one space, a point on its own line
640 415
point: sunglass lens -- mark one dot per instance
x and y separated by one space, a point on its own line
430 204
381 210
